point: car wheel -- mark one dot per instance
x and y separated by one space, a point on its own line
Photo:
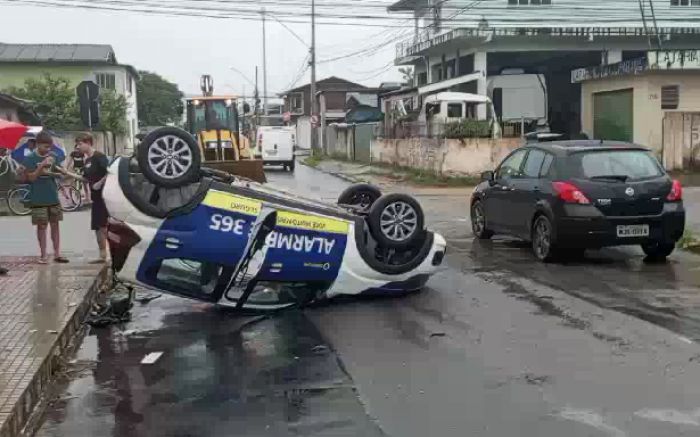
169 157
396 221
542 244
658 251
363 195
478 216
291 166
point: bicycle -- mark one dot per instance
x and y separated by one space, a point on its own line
18 200
7 164
70 198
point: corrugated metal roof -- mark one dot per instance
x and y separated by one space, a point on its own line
57 53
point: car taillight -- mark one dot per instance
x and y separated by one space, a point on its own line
121 239
676 193
570 193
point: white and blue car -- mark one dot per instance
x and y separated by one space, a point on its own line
207 235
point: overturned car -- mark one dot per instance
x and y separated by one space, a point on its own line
203 234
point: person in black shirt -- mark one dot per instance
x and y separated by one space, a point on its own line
77 164
95 172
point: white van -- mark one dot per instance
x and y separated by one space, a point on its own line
447 107
276 145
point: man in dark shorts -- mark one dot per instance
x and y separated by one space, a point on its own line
95 173
77 164
41 168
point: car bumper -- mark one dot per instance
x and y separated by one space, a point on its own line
585 227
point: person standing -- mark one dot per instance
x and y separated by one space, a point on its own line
40 166
77 164
95 173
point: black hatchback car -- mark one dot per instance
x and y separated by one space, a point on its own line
569 196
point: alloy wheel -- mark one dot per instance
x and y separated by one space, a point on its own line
170 157
399 221
542 238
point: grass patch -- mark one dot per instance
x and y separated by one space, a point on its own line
313 160
423 177
689 241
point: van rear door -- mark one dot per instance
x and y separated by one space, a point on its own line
276 143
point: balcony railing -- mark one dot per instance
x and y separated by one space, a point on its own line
428 38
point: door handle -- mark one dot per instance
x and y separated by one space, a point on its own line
172 243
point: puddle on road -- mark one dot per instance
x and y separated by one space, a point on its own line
275 377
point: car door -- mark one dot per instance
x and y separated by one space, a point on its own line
526 192
192 254
500 195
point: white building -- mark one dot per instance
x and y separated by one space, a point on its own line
459 44
76 63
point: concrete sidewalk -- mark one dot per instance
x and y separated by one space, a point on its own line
386 178
41 310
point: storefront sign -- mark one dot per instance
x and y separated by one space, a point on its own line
630 67
674 59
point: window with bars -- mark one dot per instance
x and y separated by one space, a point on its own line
670 96
685 2
106 80
530 2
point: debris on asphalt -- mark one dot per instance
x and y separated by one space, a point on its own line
151 358
144 298
319 349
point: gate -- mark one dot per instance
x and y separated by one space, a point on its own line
681 141
363 138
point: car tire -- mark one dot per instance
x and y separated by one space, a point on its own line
363 195
542 239
478 219
169 157
290 166
658 251
396 221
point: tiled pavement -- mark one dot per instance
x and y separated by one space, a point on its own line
41 309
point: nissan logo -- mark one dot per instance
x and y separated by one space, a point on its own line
629 191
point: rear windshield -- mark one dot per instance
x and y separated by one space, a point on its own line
616 164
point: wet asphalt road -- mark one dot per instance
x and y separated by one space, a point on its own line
496 345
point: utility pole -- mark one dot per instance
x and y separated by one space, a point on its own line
312 62
257 99
264 48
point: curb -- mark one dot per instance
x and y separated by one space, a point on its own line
26 407
338 175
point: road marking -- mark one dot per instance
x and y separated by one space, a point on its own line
685 339
591 418
671 416
151 358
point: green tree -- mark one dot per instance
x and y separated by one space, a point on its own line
159 101
407 73
112 115
53 99
113 108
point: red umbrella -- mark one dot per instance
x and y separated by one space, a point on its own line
10 133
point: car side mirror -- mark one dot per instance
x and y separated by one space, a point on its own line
487 176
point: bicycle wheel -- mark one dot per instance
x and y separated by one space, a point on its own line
4 166
70 198
17 201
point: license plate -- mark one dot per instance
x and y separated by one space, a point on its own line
631 231
271 152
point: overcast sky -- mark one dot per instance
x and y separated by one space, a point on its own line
183 48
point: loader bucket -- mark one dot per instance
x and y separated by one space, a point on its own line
247 168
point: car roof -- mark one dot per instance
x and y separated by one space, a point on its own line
575 146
